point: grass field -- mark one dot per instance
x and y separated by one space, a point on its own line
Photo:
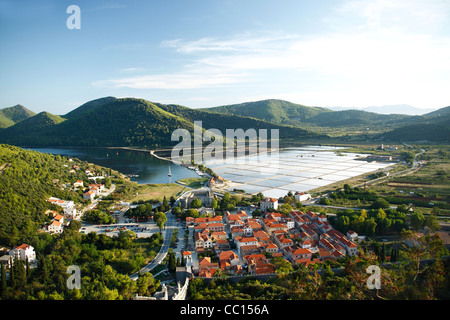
429 184
153 192
194 183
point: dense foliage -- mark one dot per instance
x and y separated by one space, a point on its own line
406 279
27 180
136 122
104 263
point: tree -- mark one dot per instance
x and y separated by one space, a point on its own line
165 205
324 201
193 213
196 203
146 284
343 223
432 222
172 262
380 203
3 279
215 204
160 219
370 226
282 266
417 220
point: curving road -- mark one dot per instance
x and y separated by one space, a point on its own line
169 226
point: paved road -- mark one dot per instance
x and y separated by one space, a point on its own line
170 225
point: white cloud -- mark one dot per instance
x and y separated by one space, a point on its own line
382 61
183 80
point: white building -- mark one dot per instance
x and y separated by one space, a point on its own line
268 203
78 183
67 205
23 252
57 224
302 196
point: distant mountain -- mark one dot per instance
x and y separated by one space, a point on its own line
285 112
398 109
438 113
390 109
354 118
127 122
12 115
433 126
274 111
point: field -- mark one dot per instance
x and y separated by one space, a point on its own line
194 183
429 184
153 192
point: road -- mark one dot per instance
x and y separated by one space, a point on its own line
170 225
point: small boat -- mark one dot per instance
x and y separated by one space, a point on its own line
170 174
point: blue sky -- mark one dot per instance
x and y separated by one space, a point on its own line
202 53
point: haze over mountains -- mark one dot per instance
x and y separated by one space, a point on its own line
391 109
110 121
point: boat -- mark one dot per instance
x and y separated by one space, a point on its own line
170 174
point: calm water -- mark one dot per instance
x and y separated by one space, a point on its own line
149 168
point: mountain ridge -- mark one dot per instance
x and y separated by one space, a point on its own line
11 115
126 122
111 121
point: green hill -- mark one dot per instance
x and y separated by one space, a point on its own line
12 115
285 112
127 122
89 106
434 126
274 111
27 180
352 118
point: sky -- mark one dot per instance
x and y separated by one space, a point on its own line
206 53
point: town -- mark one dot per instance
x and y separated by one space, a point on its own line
238 243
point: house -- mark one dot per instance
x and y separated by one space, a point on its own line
268 203
236 219
258 264
57 224
262 236
97 188
67 205
272 227
221 244
55 227
207 268
269 247
352 235
6 260
78 183
206 220
202 240
187 255
302 196
90 195
216 226
245 241
295 254
216 182
222 235
23 252
283 241
228 259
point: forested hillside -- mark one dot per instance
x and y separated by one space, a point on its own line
12 115
27 180
127 122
